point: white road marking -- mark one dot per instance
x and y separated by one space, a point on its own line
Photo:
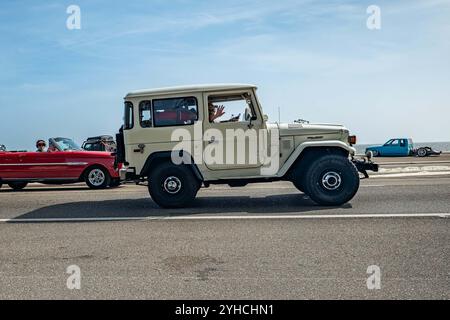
231 217
410 174
417 163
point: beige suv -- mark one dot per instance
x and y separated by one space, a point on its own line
182 138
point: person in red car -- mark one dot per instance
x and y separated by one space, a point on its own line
40 145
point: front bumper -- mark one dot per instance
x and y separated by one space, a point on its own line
365 164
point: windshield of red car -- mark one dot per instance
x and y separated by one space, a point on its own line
66 144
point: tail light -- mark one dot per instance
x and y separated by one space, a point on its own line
352 140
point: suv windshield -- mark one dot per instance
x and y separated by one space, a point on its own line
64 144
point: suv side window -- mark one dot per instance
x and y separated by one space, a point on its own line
175 111
128 116
145 114
236 108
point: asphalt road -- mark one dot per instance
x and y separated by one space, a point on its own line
443 158
202 253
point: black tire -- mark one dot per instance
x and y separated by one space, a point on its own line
298 179
17 186
172 186
114 183
376 153
422 152
97 178
299 186
331 180
1 184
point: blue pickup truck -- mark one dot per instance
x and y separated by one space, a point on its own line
401 147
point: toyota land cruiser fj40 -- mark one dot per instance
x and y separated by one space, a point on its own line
179 139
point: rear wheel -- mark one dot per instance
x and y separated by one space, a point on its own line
331 180
299 186
16 186
97 178
173 186
298 180
422 152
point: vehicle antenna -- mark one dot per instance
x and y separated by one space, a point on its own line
279 115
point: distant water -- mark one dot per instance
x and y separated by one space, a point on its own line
439 146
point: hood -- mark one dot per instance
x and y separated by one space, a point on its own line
308 129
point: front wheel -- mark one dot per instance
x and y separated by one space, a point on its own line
17 186
332 180
97 178
173 186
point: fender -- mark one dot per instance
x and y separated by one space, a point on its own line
313 144
167 155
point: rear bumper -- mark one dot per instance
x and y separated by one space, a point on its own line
127 174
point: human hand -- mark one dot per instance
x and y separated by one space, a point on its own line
219 111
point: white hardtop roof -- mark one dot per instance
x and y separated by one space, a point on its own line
190 88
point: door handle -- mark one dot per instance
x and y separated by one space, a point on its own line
141 148
212 140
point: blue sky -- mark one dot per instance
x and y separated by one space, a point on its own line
315 60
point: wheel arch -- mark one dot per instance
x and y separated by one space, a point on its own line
157 158
307 151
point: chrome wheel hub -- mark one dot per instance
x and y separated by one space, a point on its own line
172 185
96 177
331 180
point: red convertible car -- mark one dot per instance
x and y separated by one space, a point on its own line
65 162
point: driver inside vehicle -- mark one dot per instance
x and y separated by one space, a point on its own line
215 112
40 145
52 147
235 104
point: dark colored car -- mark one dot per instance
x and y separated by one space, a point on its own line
100 143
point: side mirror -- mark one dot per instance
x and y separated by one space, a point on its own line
248 114
265 118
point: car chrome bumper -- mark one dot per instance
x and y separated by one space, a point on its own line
123 174
127 174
